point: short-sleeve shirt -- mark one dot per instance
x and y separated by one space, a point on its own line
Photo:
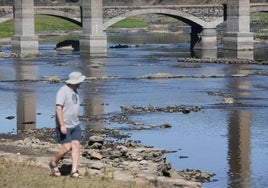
69 100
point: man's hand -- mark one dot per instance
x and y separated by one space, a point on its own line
63 129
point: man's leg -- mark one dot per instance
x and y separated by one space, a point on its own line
54 163
75 144
60 154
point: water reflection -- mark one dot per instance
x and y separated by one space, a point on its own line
233 54
204 53
239 134
93 103
26 97
239 149
228 54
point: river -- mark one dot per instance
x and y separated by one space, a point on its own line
230 140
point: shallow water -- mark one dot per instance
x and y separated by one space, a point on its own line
229 140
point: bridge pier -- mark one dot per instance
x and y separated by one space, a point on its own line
24 40
209 39
238 35
203 38
93 39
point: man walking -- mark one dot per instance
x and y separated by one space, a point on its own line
67 123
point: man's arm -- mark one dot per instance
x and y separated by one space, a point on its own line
59 115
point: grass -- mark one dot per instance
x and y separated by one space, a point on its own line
130 23
45 23
42 23
25 175
260 17
7 29
51 23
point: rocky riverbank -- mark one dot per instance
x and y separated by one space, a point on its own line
222 61
121 160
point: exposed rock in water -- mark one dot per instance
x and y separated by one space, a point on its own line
165 125
159 75
169 76
167 109
52 79
228 100
120 46
223 61
8 55
10 117
69 45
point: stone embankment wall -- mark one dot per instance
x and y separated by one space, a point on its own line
5 10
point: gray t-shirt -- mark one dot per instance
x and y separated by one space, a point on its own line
70 101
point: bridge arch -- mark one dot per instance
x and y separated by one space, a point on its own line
258 7
185 17
199 29
60 14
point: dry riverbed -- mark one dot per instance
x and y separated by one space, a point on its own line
120 160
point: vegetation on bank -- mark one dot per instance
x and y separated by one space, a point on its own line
49 23
259 25
7 29
42 23
26 175
260 17
130 23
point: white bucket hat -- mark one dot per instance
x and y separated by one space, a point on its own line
75 78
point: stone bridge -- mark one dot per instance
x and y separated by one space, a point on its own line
203 19
203 15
